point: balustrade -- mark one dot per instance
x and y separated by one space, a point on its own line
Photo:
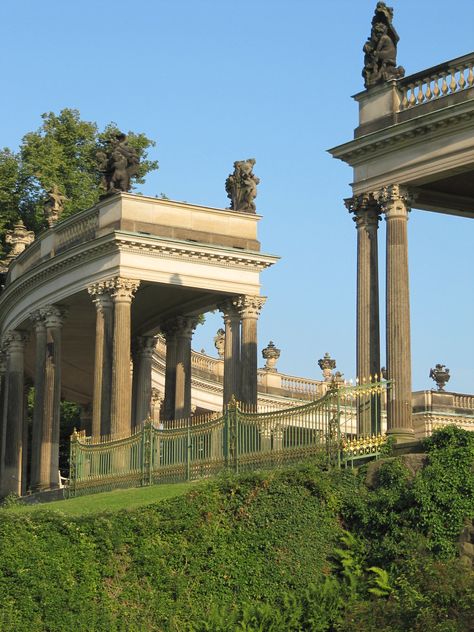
439 81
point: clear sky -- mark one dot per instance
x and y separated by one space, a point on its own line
213 81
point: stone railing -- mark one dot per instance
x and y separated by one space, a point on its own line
436 82
76 230
463 401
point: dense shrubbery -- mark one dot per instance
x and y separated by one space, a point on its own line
297 549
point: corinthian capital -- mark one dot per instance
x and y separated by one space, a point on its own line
394 200
53 315
122 289
250 306
14 341
365 207
145 345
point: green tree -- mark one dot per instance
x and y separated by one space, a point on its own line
61 152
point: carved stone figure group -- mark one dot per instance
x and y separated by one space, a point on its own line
118 164
380 61
241 186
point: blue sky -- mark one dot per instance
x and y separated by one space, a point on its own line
213 81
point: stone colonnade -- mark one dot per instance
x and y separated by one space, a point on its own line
394 203
120 402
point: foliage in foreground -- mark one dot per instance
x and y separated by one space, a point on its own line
296 549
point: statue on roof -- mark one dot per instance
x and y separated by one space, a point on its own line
53 205
380 50
241 186
117 164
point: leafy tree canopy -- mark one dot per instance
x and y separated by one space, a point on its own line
61 152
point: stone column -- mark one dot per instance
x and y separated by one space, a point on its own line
249 307
48 477
39 327
122 291
142 365
12 471
184 334
232 370
169 330
101 401
366 216
86 418
25 441
395 203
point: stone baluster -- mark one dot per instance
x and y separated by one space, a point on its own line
250 308
186 326
48 465
122 291
142 366
101 403
12 470
366 216
232 369
395 203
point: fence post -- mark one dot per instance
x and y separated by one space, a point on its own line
72 464
188 451
147 447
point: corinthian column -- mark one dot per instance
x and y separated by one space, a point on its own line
184 334
48 465
250 308
100 294
231 316
142 365
12 469
39 326
122 291
395 203
366 216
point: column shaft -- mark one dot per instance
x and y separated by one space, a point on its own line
231 353
399 412
183 367
142 367
170 371
3 412
14 419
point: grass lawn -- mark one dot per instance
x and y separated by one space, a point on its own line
107 501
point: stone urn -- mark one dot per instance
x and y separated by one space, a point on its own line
327 365
440 374
271 355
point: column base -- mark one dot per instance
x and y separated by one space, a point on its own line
401 435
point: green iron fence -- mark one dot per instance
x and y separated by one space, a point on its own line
237 440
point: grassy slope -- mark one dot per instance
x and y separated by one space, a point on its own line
107 501
257 552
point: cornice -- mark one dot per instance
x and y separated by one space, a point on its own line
177 249
405 134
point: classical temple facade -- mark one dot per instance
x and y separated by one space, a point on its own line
82 306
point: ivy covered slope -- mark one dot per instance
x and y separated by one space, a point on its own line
295 549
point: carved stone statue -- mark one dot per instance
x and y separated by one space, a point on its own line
241 186
380 60
53 205
219 342
440 374
117 164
